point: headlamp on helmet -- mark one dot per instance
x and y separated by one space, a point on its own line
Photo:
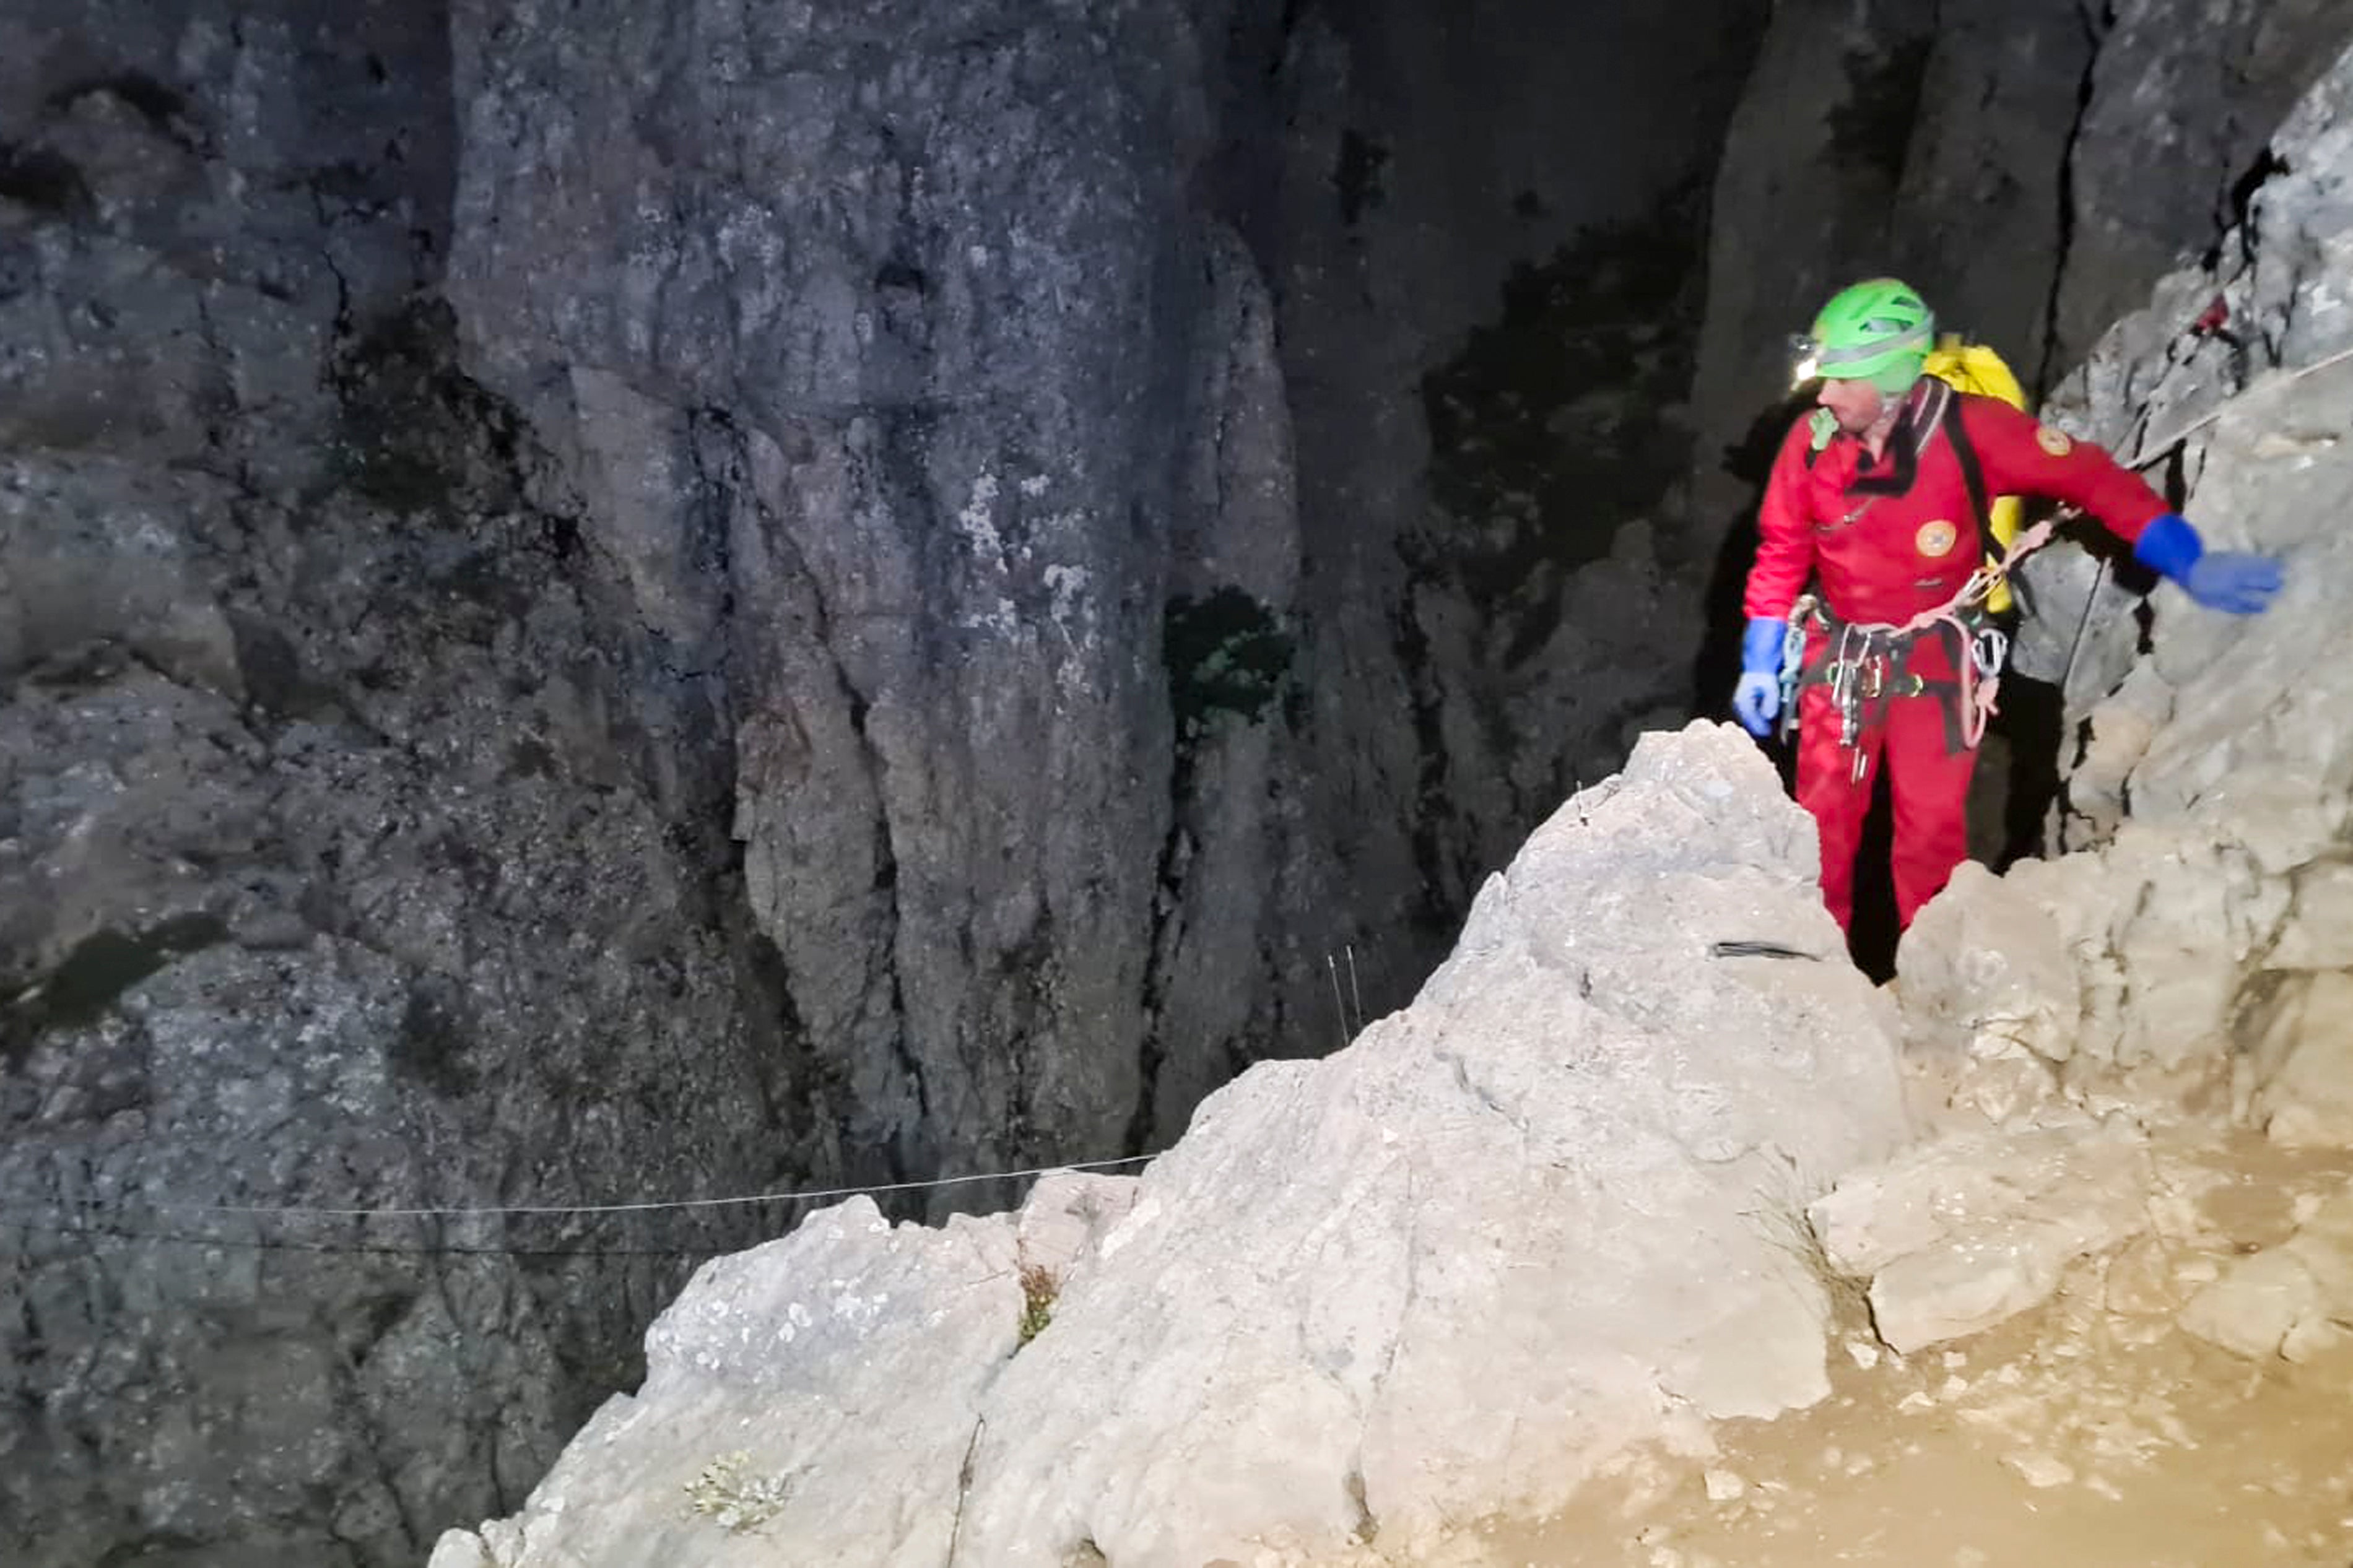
1805 361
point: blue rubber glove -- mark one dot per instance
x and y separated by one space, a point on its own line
2236 582
1757 698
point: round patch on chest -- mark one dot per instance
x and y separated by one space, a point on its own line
1935 540
2055 442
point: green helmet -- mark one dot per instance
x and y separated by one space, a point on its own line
1878 331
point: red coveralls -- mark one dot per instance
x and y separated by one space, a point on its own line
1885 552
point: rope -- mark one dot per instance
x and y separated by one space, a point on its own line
79 1232
301 1211
2157 453
1984 653
2160 449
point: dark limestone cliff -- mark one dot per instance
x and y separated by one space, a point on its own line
353 850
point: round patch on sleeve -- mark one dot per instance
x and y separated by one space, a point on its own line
2055 442
1936 539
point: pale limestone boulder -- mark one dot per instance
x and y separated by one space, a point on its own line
1429 1278
2299 1071
1551 1211
1992 1001
826 1386
1959 1234
2210 795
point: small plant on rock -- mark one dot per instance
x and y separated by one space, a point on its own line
732 1499
1781 1216
1038 1289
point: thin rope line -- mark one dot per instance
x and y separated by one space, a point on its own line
86 1233
300 1211
2162 449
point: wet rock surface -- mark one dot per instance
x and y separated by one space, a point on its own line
2098 1427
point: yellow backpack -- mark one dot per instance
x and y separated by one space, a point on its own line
1974 367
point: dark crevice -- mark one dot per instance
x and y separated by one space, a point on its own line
903 1152
826 1102
904 1159
1226 658
2031 726
1357 175
1025 967
2239 208
163 108
1872 129
97 970
410 418
45 182
1433 912
779 1046
1167 915
2048 363
1546 429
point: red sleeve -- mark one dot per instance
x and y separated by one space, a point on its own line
2021 457
1785 534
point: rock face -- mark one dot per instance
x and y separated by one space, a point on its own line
341 861
621 600
1488 294
1549 1210
976 338
896 375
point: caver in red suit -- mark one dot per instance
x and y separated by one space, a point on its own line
1889 538
1872 501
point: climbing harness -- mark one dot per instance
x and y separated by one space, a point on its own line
1864 664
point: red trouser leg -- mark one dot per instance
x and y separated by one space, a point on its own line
1830 791
1929 788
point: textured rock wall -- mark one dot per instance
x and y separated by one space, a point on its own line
345 857
1480 276
624 600
899 368
2184 96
